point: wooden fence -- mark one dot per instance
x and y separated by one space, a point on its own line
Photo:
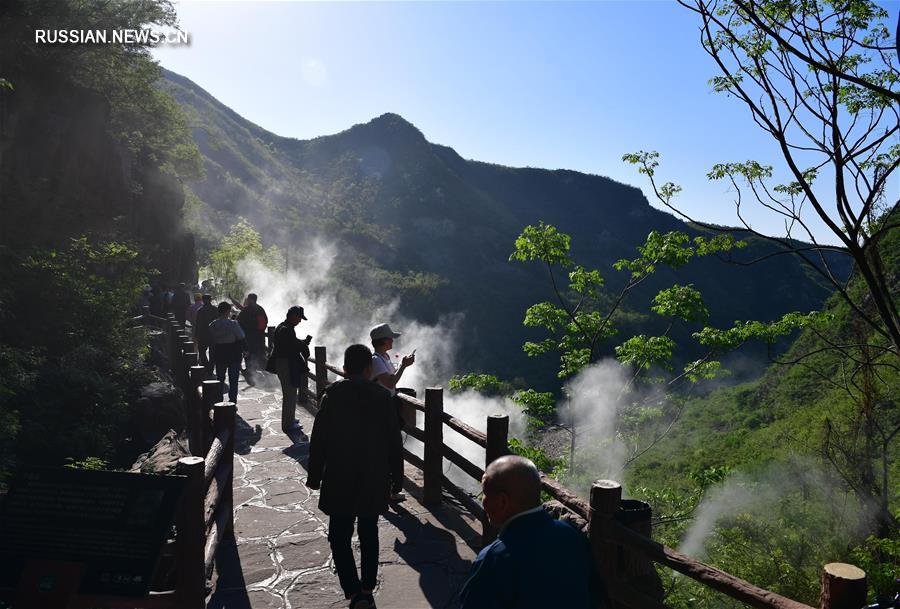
205 515
619 530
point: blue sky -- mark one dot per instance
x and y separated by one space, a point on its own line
554 85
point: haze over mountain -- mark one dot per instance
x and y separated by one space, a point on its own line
415 220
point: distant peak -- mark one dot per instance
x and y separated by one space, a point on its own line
390 122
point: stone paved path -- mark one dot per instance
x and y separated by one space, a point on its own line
281 557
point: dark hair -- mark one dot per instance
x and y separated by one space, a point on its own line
356 359
224 307
251 297
380 341
207 298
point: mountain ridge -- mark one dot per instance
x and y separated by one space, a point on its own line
396 203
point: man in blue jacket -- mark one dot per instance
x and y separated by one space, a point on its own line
536 562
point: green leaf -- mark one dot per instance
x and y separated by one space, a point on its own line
543 243
645 351
683 302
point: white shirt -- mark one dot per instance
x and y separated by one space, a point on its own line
382 364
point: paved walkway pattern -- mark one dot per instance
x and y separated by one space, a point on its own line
281 557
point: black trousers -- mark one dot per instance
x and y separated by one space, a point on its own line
340 532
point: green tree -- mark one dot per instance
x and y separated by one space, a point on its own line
242 244
821 78
71 366
145 119
582 318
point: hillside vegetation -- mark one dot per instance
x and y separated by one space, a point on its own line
793 470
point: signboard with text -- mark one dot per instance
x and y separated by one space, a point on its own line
110 525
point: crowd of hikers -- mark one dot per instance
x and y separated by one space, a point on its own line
356 461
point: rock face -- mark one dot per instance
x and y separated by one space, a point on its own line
163 457
159 409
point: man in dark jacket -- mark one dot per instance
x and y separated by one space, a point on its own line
254 321
352 443
531 549
205 316
289 355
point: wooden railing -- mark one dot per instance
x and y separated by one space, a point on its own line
205 515
623 549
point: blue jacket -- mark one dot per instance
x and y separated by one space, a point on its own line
535 563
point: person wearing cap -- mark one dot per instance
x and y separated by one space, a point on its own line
385 374
289 355
383 370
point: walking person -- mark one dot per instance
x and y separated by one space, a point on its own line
353 442
385 374
204 316
228 344
289 355
254 321
180 302
192 310
531 549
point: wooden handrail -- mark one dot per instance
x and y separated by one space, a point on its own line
414 402
464 429
216 450
460 495
216 533
569 499
462 463
215 492
710 576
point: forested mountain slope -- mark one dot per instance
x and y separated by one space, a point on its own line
445 226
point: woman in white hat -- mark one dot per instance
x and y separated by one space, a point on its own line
385 374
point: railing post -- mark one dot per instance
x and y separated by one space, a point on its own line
191 574
172 335
145 313
321 371
212 394
407 414
223 419
434 443
195 410
191 357
497 446
636 570
843 587
497 438
605 498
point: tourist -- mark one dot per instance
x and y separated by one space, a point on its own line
351 448
289 355
254 321
228 343
387 375
205 315
531 548
192 310
179 303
